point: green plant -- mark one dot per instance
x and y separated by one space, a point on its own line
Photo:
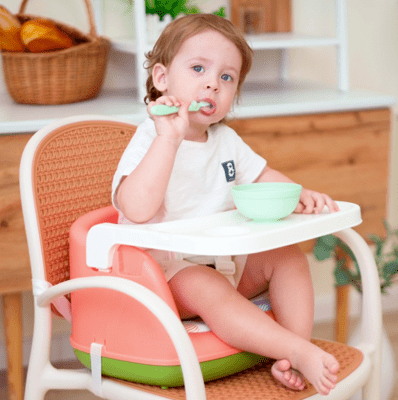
172 7
164 7
386 258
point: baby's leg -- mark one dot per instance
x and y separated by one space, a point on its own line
286 274
203 291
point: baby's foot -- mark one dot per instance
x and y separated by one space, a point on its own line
319 367
282 371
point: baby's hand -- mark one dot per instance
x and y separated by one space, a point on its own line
314 202
173 126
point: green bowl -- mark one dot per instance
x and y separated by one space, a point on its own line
266 201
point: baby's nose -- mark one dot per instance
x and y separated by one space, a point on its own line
212 85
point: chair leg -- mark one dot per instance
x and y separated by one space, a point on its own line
13 331
36 383
342 314
371 307
342 302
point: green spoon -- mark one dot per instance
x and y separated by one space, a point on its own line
161 109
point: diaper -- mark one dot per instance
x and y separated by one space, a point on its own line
230 266
197 325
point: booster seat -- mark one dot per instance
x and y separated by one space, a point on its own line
136 347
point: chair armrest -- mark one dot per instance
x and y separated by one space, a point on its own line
193 378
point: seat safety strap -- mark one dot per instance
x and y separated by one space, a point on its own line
96 368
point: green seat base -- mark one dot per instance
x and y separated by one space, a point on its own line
170 376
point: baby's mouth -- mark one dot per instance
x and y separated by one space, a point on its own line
210 109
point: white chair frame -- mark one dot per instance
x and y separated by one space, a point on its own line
42 376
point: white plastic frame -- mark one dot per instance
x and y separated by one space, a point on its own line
190 236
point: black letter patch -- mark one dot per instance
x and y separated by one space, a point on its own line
229 169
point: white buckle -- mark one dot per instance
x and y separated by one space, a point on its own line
226 266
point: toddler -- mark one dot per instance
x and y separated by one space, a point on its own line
184 165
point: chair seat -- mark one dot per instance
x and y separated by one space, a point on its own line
258 383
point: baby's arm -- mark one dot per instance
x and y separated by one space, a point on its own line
140 194
310 201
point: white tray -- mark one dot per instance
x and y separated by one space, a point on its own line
226 233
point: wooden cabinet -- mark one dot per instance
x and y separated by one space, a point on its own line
15 276
14 258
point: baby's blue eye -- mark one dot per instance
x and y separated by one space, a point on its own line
226 77
198 68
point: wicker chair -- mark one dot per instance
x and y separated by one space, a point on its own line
66 172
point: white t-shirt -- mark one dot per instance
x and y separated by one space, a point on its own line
203 173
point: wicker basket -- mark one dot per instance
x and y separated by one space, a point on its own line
62 76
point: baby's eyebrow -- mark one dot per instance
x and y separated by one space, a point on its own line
202 59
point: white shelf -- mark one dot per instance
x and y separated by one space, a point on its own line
267 41
281 41
19 118
293 98
288 41
257 100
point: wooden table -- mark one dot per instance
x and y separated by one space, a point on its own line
344 154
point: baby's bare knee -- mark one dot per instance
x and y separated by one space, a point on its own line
289 258
190 279
198 286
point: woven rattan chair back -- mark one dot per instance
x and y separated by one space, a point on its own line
72 175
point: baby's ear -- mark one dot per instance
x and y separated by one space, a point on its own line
159 77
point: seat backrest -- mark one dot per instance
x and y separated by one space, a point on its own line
73 163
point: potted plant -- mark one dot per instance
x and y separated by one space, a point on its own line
386 259
161 8
161 12
172 8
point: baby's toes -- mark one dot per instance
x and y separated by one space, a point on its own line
296 380
328 375
300 384
287 374
321 388
293 379
328 383
331 364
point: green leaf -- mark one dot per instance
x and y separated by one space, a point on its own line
192 10
324 247
387 227
390 269
379 242
220 12
342 276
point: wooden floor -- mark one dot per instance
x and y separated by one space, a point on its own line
324 331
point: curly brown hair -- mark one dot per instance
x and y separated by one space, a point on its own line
181 29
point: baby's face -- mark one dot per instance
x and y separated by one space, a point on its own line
206 68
